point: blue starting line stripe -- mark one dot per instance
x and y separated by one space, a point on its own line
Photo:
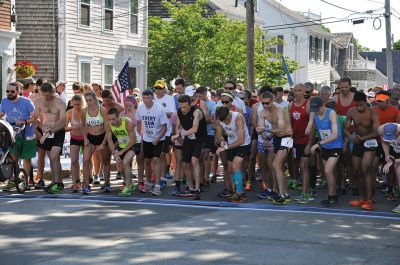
209 205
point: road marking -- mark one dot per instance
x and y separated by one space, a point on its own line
206 205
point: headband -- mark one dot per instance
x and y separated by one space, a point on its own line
131 100
227 95
382 97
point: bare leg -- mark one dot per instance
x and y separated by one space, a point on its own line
55 163
74 163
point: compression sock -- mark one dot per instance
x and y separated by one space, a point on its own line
238 181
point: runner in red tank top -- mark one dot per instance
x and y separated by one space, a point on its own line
345 94
299 116
342 110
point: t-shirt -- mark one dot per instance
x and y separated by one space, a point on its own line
284 104
390 114
211 109
167 102
152 119
19 111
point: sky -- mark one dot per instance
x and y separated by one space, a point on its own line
365 33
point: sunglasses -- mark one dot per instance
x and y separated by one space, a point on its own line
229 87
225 102
158 88
266 103
11 91
309 92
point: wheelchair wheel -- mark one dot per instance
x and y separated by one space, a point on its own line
21 180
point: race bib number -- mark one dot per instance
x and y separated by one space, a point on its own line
371 143
287 142
124 140
395 146
325 134
51 136
149 132
191 137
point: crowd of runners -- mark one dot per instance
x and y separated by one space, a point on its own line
343 137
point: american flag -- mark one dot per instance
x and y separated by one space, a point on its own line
121 86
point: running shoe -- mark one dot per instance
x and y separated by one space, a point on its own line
40 185
168 175
323 184
303 199
141 187
236 198
90 180
330 202
183 182
397 209
56 188
314 193
163 184
127 191
287 197
118 176
177 191
391 197
272 195
10 185
357 203
280 200
368 205
85 188
197 195
310 196
188 192
224 193
122 186
106 187
148 187
247 187
96 180
75 188
263 194
101 177
156 190
47 188
213 178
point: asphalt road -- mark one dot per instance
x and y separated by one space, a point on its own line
40 230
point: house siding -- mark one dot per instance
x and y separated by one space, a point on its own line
39 39
99 46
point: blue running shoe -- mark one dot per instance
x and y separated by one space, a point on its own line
106 187
168 175
177 191
163 184
85 189
272 195
263 194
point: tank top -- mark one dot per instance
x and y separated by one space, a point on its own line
98 120
121 132
74 122
231 131
138 137
197 103
342 110
299 119
186 122
324 128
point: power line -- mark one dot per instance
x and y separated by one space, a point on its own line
326 2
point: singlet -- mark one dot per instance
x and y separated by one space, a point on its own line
299 119
98 120
198 103
390 114
324 128
342 110
231 131
186 122
121 132
138 137
211 109
73 122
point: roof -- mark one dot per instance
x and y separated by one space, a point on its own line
380 58
342 39
298 17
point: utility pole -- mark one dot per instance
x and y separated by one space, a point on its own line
389 59
250 44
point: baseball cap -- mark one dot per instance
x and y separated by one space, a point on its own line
29 80
371 94
315 104
190 91
389 132
60 82
160 83
147 92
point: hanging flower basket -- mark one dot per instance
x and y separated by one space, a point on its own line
25 69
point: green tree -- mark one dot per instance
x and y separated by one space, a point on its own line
359 47
396 45
207 50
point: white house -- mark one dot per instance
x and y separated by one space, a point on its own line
309 46
8 35
93 39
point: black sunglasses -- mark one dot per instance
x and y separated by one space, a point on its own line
158 88
225 102
309 92
266 103
229 88
11 91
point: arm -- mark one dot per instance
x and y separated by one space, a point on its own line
218 132
106 125
375 126
2 115
240 123
162 132
177 130
347 125
67 121
310 123
197 117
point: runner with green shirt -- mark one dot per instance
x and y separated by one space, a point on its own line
123 149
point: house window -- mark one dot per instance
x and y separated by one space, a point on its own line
311 51
134 17
280 44
132 75
318 49
108 14
326 50
85 12
108 76
85 72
